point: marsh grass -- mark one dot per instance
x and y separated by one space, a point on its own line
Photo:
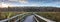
51 15
5 15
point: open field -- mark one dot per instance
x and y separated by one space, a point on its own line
5 15
50 15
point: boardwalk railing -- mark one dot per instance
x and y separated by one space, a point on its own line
45 19
14 18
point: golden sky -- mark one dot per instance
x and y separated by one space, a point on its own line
2 5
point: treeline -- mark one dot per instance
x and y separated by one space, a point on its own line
31 9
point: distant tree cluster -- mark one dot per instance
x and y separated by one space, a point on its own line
32 9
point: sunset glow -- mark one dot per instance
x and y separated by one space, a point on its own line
2 5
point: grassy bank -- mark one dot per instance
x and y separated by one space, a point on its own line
51 15
5 15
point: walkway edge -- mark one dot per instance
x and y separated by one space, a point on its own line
43 18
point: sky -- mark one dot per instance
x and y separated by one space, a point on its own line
54 3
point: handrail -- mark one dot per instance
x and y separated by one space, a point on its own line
11 18
47 20
20 18
36 19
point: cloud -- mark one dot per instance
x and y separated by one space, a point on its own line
0 4
32 2
21 1
57 2
12 0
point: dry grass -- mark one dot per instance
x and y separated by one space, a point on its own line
51 15
4 15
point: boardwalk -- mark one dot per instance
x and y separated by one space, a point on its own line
29 19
